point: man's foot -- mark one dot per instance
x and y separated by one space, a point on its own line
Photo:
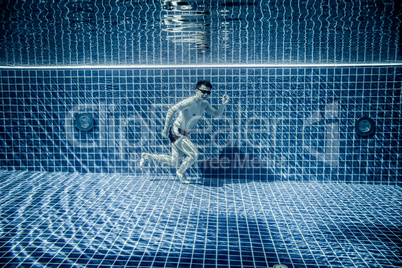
182 177
144 159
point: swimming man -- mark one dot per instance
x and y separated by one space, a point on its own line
190 111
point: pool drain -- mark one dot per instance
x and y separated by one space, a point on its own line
84 122
365 126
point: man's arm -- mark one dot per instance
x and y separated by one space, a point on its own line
171 112
217 113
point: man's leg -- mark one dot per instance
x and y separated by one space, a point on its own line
187 147
171 160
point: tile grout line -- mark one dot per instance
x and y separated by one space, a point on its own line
201 66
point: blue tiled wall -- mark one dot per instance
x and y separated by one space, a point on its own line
281 124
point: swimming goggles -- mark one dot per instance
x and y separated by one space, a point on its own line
204 90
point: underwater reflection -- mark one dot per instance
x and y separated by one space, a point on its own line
185 24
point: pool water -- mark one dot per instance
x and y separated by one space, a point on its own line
103 32
283 176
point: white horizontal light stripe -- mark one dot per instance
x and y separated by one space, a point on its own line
201 66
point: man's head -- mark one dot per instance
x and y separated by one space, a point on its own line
203 88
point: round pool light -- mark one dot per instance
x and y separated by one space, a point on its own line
84 122
365 126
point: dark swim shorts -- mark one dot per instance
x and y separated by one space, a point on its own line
176 133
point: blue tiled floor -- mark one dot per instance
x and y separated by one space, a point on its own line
99 220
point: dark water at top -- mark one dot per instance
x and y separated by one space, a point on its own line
103 32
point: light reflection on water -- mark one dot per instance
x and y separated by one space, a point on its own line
197 32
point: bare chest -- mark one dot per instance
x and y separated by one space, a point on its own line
194 112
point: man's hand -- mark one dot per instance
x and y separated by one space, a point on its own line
225 99
165 133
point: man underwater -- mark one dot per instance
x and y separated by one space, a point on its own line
190 111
